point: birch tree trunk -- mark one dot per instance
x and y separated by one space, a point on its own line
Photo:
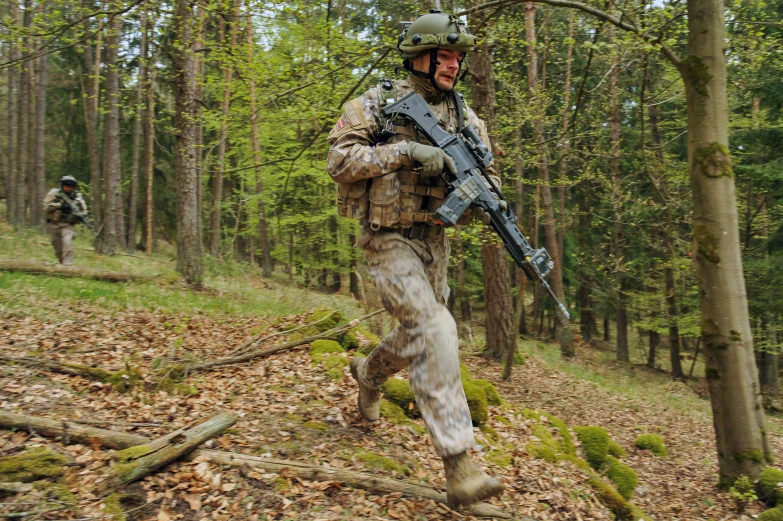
732 377
110 237
563 329
133 195
189 248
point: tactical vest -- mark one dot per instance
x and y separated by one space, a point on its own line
401 198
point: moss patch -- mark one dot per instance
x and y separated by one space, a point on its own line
707 243
615 449
500 458
56 492
767 486
595 443
112 506
714 160
477 402
382 463
623 477
32 465
540 450
321 349
490 432
399 392
653 443
773 514
396 415
493 398
566 443
359 339
316 426
124 380
754 455
696 74
464 372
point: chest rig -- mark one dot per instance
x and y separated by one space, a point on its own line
402 198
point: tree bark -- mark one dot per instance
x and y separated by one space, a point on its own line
110 236
149 155
23 128
617 204
92 72
563 328
500 326
37 217
731 372
133 194
13 79
189 248
59 269
162 451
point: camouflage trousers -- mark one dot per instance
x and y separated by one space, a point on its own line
411 279
62 236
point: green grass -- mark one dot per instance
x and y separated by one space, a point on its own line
231 287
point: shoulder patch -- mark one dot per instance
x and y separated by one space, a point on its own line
353 118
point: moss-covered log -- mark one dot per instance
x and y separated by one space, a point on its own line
138 461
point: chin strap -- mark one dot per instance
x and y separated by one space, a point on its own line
408 66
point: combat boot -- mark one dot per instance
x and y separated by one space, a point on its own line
369 399
466 483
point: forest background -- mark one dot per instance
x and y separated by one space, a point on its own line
204 124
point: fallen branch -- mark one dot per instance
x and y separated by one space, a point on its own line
140 460
71 271
91 373
261 353
119 440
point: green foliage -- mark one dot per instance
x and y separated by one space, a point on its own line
773 514
653 443
743 492
500 458
595 443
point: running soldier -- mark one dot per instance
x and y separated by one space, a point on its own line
389 178
64 208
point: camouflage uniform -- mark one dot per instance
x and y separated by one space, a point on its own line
60 224
410 274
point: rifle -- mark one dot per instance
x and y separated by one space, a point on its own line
471 186
78 213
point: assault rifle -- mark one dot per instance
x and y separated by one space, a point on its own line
77 214
471 186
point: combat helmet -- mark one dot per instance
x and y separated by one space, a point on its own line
69 180
433 31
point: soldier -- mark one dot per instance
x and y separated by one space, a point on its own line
64 208
389 179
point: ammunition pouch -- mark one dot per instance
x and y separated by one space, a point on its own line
353 199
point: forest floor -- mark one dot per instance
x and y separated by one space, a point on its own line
290 408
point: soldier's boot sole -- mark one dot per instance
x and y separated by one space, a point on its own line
369 399
466 483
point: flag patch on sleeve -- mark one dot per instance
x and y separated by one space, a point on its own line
341 123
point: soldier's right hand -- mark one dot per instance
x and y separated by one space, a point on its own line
432 159
66 207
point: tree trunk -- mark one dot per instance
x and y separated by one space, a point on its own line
500 325
37 217
521 278
564 141
23 129
109 237
133 195
263 234
13 79
189 248
92 72
563 329
217 188
732 377
149 154
655 340
617 204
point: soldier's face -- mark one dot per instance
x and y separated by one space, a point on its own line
67 189
447 69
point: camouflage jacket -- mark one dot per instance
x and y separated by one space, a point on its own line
53 206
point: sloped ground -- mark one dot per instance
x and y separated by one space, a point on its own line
290 409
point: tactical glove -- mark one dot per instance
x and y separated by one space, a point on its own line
432 159
66 207
484 217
